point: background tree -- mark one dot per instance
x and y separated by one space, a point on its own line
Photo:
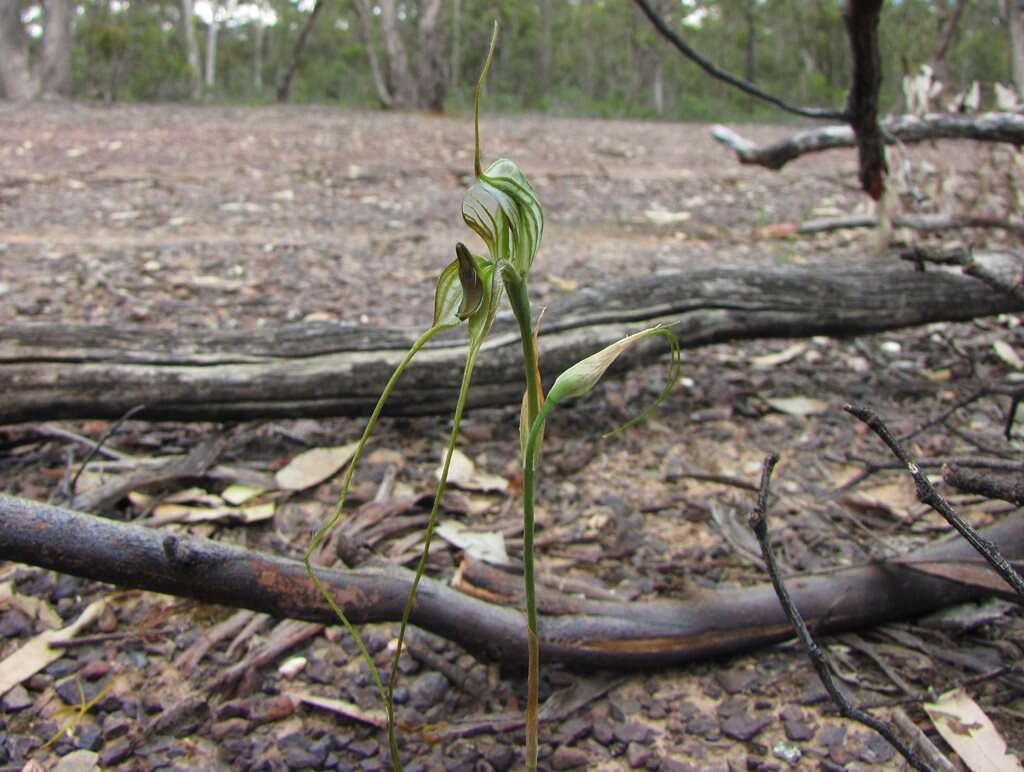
28 74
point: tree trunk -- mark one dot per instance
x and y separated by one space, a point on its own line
1015 20
188 34
658 88
210 75
20 83
949 20
284 88
431 85
401 84
55 63
257 51
366 35
59 371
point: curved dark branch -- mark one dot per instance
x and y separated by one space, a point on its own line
716 72
597 634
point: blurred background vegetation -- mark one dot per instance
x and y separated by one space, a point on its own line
570 57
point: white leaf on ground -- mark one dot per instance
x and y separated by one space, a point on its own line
313 467
1005 352
787 354
195 496
343 707
463 473
184 513
799 406
37 654
488 546
968 731
663 217
239 493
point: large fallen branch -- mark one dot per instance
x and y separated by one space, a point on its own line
596 634
987 127
61 371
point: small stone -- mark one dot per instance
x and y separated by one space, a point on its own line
573 730
875 749
300 753
93 670
631 732
832 735
15 624
273 709
232 727
62 667
365 749
16 699
77 761
116 725
736 681
731 707
501 757
623 708
704 726
744 727
75 691
151 703
428 690
565 757
796 725
602 731
116 753
638 756
88 736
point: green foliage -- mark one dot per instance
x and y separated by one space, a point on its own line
595 58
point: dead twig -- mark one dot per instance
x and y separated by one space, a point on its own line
985 485
759 524
927 494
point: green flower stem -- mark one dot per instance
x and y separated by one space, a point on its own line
519 299
467 375
533 641
321 534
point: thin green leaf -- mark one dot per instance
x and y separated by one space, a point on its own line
472 284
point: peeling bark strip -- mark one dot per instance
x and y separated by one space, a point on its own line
604 635
987 127
60 371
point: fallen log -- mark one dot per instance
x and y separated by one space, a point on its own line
61 371
589 634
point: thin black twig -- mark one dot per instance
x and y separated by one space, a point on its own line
759 524
96 448
927 494
673 37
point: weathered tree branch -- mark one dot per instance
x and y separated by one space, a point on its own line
926 223
60 371
861 20
602 634
987 127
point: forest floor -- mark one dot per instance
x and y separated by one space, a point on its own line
174 216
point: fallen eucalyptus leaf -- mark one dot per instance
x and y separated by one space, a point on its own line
964 726
314 466
342 707
488 546
1005 352
464 474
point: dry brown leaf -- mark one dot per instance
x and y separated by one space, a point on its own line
968 731
37 653
313 467
184 513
